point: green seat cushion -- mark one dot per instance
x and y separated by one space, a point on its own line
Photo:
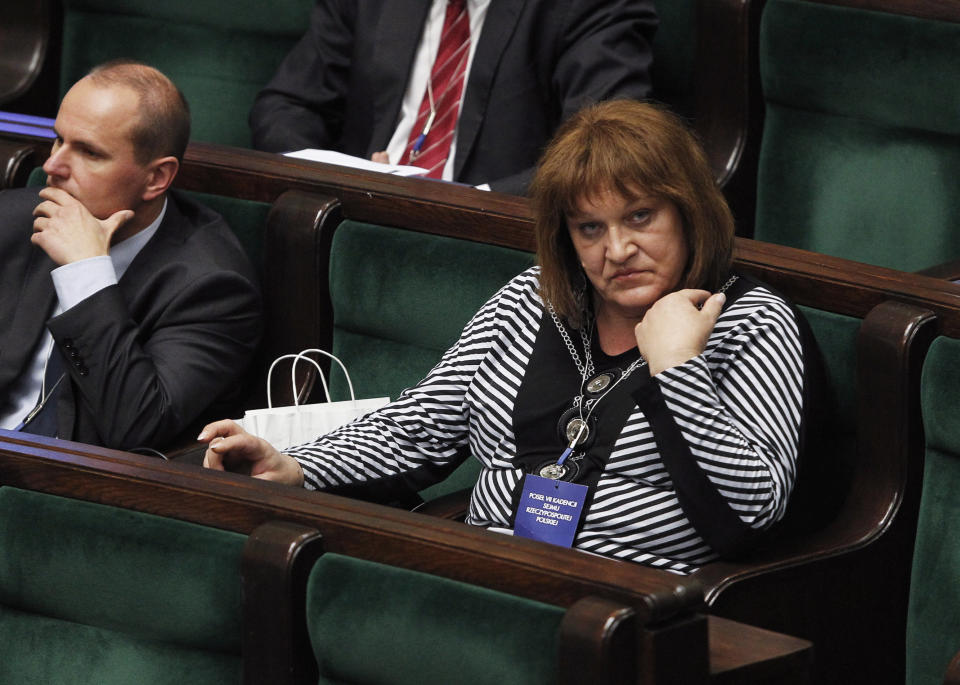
220 55
371 623
860 155
90 588
933 619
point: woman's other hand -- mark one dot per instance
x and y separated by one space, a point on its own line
230 448
676 327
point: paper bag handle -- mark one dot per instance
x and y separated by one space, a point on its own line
302 355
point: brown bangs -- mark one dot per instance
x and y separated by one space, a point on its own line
630 148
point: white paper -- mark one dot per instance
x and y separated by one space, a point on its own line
331 157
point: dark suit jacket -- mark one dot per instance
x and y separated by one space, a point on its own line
536 62
150 357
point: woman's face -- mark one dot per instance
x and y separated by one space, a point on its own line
632 249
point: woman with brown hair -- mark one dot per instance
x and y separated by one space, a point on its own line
629 396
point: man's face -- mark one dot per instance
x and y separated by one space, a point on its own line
93 156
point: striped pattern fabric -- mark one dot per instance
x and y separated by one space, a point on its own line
738 406
446 82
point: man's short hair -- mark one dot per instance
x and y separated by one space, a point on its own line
164 126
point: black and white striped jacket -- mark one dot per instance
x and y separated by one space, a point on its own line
707 454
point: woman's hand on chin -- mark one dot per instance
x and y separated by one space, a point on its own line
230 448
676 327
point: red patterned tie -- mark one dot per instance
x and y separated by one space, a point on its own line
429 144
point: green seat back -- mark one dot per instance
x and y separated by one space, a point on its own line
246 218
37 178
371 623
400 299
836 336
95 594
219 54
860 155
831 448
674 55
933 619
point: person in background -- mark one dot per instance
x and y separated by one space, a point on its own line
631 365
121 298
484 82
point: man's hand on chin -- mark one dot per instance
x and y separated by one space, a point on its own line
68 232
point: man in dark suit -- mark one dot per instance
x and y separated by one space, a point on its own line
128 311
535 63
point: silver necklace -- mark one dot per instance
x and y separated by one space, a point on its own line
574 425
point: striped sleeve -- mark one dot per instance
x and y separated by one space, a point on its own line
416 439
733 458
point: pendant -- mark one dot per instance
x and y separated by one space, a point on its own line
599 383
567 471
577 427
569 426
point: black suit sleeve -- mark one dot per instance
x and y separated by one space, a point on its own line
303 105
603 52
142 384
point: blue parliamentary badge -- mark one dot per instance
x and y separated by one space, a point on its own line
549 510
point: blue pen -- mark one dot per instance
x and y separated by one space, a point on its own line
418 143
573 443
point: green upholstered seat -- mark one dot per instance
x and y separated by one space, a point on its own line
219 54
371 623
400 299
933 622
860 155
95 594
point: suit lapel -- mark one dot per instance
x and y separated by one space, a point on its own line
397 35
32 307
172 232
498 27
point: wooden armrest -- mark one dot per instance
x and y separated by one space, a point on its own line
451 506
276 646
948 270
740 653
24 46
952 676
297 306
17 160
190 453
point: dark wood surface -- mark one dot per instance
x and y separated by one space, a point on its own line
778 656
17 160
728 102
952 676
27 29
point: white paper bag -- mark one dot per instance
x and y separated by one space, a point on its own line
292 425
